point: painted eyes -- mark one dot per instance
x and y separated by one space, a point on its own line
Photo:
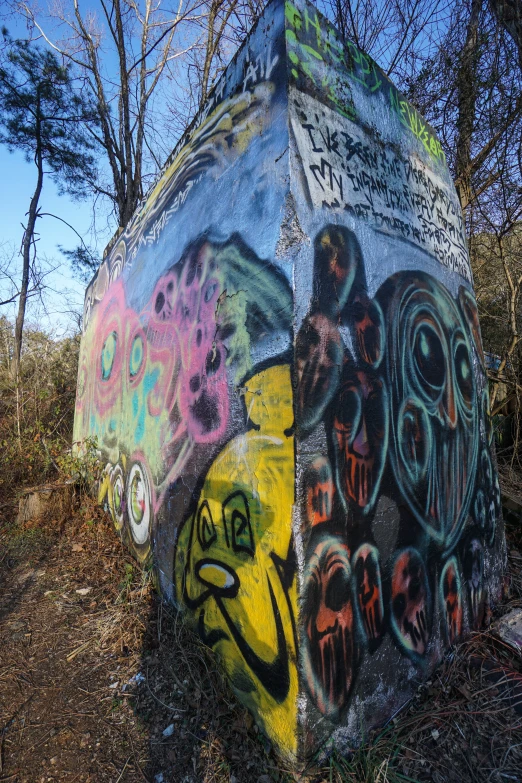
337 592
348 412
430 362
136 356
333 587
236 522
428 357
236 519
108 355
139 503
160 302
206 528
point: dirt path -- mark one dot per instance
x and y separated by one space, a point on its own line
100 682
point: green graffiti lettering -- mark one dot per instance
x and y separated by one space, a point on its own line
293 16
315 24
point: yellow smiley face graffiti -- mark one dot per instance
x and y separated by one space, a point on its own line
235 567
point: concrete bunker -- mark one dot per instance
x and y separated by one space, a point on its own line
282 367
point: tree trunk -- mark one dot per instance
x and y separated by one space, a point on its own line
513 297
210 50
509 15
26 253
467 96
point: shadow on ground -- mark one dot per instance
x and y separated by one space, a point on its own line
99 680
197 730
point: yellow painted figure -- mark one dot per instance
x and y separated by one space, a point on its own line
235 567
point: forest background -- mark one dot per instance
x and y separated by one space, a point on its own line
93 97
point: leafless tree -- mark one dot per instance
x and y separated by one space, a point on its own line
122 55
400 35
496 249
471 92
509 16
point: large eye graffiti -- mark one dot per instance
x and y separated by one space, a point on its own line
368 589
429 362
410 603
117 496
450 598
464 374
139 503
434 414
137 356
329 649
360 430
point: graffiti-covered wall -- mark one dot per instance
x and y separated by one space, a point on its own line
282 368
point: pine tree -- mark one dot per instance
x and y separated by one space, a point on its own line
43 114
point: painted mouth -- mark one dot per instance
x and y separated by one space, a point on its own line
221 582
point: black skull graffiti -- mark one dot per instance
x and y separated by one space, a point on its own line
434 413
329 643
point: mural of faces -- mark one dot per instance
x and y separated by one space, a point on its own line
401 399
253 452
390 386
